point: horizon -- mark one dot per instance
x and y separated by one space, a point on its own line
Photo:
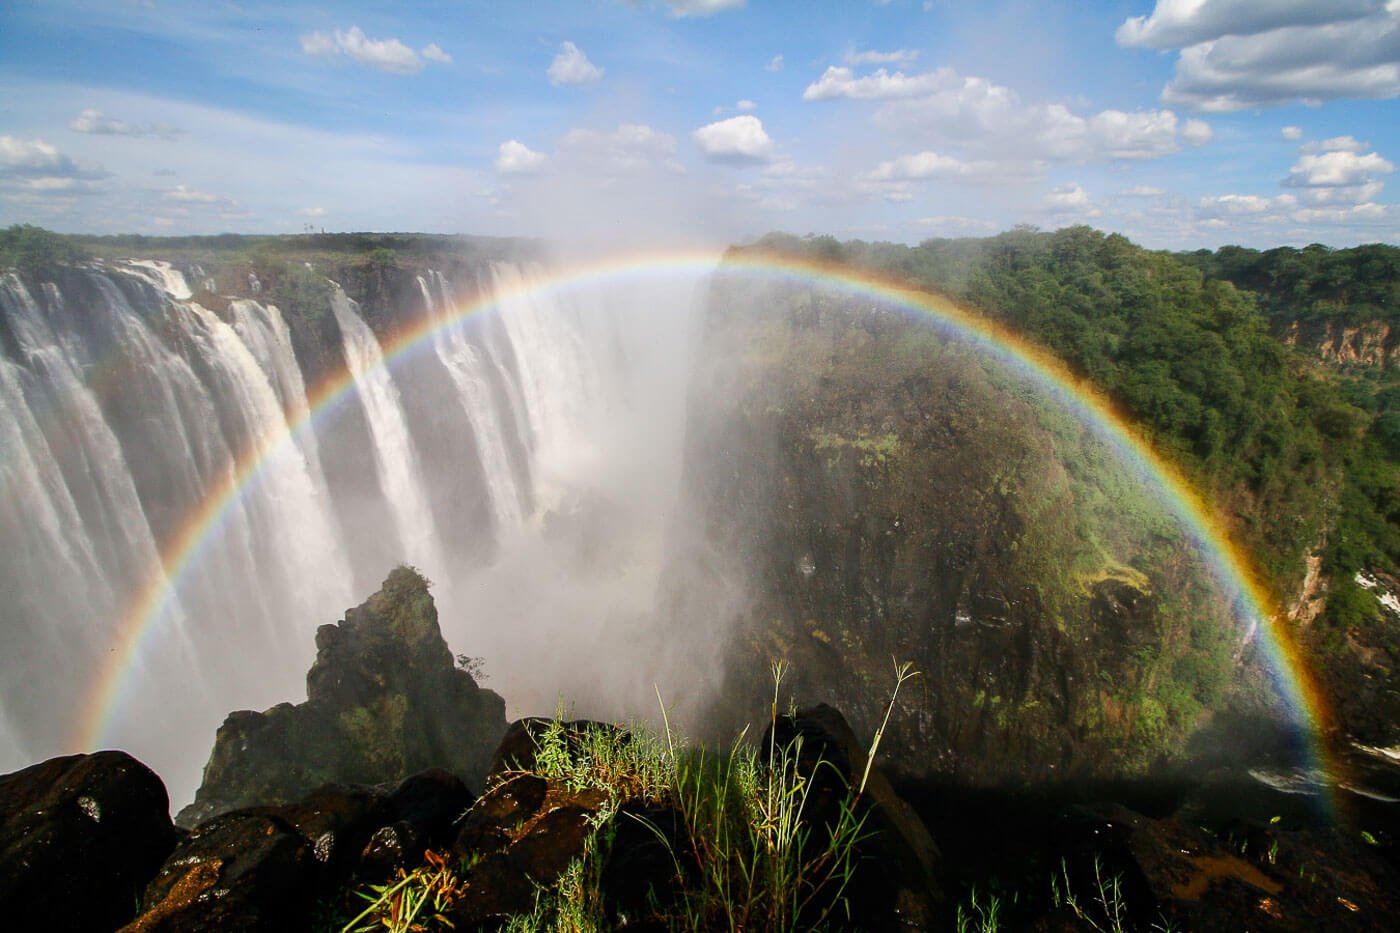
623 122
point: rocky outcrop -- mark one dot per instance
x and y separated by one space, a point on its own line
880 491
384 699
79 837
1372 343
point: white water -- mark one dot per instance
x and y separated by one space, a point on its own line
124 405
467 364
393 449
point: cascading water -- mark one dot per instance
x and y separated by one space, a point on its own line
127 409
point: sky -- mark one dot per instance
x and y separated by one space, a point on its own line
1180 123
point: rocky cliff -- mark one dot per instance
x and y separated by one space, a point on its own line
882 491
384 699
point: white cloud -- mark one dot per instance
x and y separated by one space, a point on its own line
1197 132
746 106
955 224
1238 56
434 53
1292 132
1336 168
1070 199
36 161
312 212
976 115
1237 205
923 165
572 67
681 8
389 55
92 121
1142 191
775 63
1337 144
839 81
1176 24
871 57
516 158
739 140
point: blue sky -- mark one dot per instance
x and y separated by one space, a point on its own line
1180 123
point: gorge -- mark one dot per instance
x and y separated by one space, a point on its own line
650 477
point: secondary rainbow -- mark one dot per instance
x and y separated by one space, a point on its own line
182 553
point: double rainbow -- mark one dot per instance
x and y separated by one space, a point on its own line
181 555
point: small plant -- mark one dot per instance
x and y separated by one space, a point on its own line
1111 915
474 666
978 917
417 901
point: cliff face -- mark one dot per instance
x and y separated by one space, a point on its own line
1372 343
384 699
884 492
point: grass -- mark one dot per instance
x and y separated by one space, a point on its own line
747 854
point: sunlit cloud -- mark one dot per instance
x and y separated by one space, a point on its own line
737 140
571 67
389 55
94 122
516 158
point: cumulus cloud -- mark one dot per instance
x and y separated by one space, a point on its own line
433 53
572 67
1197 132
39 166
1336 144
736 140
1292 132
1336 172
1237 56
1175 24
985 118
928 164
872 57
93 121
680 8
1244 205
1070 199
515 158
388 55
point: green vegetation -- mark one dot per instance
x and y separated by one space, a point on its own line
748 856
36 253
1296 454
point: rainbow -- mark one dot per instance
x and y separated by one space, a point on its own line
182 553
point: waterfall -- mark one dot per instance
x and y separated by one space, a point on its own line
128 409
393 447
469 366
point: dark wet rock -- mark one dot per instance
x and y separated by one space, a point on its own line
647 864
384 699
79 838
898 861
488 825
432 801
398 845
338 820
239 871
1235 877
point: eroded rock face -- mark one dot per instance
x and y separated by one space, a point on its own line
81 835
877 491
384 699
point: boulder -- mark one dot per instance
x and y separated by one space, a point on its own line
243 870
81 836
898 864
384 699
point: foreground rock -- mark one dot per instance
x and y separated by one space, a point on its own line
384 699
80 837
